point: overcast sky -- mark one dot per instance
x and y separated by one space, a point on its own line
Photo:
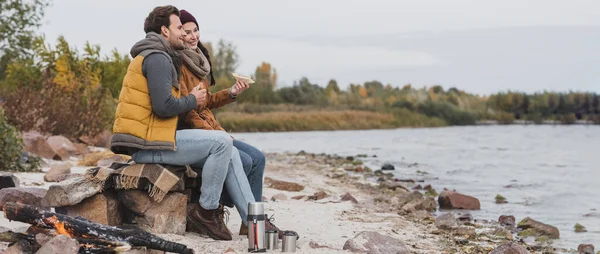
479 46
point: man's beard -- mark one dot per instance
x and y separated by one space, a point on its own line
176 44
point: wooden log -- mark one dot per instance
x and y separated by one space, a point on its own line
79 228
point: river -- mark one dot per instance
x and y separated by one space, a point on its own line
549 173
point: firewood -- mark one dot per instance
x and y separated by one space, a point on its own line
79 228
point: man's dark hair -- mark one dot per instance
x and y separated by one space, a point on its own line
160 16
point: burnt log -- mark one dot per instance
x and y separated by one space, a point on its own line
81 228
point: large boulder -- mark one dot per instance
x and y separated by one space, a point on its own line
375 243
36 143
71 192
454 200
165 217
539 228
103 208
8 180
28 196
62 146
60 244
446 221
585 249
56 172
101 139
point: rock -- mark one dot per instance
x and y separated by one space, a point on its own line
103 208
507 220
283 185
540 228
28 196
34 142
387 167
92 159
8 180
428 187
60 244
467 217
62 144
299 197
428 204
166 217
579 228
318 196
143 250
585 249
82 149
510 248
316 245
446 221
418 187
468 232
349 197
395 186
453 200
56 171
20 247
136 201
42 238
71 192
420 214
279 197
375 243
107 162
504 233
100 140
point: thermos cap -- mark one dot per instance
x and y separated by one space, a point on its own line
256 208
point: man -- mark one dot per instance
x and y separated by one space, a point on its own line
146 122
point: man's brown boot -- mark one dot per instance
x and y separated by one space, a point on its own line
210 221
270 226
244 229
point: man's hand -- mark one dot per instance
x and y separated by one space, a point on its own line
239 87
199 94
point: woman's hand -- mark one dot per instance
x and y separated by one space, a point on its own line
239 87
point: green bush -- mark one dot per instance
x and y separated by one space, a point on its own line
12 149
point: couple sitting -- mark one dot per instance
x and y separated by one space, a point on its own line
164 116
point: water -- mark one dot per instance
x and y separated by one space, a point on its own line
553 170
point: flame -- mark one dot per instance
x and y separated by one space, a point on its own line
60 229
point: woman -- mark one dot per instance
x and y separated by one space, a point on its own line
197 69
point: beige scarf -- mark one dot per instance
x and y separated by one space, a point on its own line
196 62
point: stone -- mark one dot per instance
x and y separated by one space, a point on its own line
55 173
108 161
504 233
62 146
316 245
454 200
420 214
34 142
143 250
136 201
428 187
387 167
395 186
166 217
101 139
28 196
446 221
60 244
283 185
318 196
20 247
279 197
71 192
585 249
467 217
349 197
103 208
92 159
418 187
464 231
299 197
42 239
82 149
8 180
510 248
539 227
507 220
375 243
427 204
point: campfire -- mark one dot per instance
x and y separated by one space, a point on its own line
92 237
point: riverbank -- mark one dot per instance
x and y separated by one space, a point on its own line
326 217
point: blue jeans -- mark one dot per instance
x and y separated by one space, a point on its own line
253 161
211 150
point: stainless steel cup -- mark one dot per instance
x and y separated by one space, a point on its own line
289 241
256 227
272 239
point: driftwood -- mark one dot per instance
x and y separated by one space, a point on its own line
79 228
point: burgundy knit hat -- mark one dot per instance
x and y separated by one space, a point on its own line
185 17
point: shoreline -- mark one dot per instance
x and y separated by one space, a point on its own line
324 225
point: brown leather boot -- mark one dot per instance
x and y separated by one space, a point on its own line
244 229
209 221
270 226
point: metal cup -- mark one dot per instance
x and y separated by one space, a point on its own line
289 241
272 239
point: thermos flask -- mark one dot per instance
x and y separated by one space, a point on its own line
256 227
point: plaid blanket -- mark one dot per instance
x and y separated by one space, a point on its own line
157 179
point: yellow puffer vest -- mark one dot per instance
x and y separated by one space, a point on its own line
136 127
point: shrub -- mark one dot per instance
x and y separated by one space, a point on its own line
12 149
